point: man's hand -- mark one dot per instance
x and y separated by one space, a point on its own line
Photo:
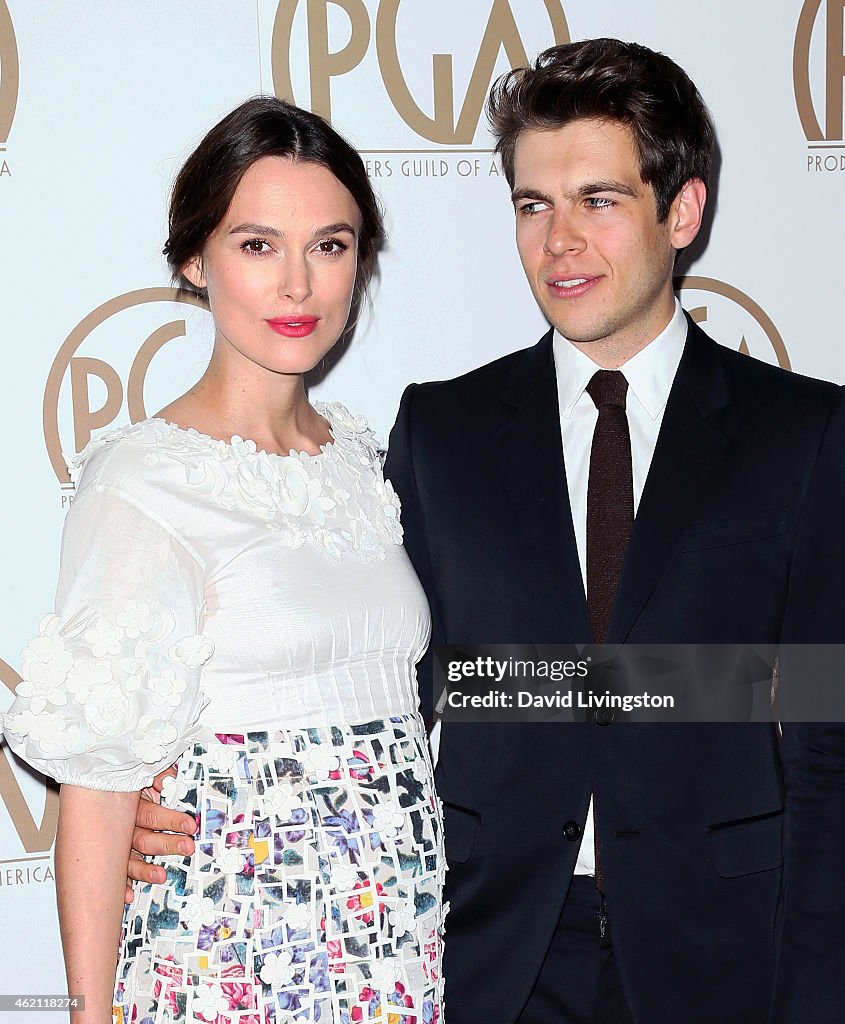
150 837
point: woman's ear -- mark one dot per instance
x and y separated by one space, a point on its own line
194 273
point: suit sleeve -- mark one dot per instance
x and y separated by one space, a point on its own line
810 980
399 468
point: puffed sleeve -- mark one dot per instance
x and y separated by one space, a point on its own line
111 689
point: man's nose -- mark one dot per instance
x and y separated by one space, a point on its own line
563 235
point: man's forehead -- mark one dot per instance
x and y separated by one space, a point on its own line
585 147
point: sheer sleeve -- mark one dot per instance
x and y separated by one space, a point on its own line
111 690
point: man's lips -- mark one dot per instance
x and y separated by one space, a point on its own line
570 286
293 326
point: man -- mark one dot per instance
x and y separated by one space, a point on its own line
628 480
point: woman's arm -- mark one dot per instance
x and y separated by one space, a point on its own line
92 846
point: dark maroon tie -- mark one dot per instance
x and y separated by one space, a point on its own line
610 497
610 514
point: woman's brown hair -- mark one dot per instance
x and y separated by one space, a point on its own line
263 126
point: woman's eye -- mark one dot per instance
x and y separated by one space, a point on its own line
255 245
332 246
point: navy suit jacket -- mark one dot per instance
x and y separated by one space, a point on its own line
723 845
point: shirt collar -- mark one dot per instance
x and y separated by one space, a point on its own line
649 373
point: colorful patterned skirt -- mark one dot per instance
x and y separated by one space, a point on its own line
314 892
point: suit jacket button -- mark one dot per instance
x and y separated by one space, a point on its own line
604 716
572 831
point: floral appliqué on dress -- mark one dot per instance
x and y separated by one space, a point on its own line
339 498
97 682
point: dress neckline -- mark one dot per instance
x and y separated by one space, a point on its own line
238 445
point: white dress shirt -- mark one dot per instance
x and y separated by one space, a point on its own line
649 374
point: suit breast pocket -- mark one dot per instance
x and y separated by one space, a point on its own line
756 526
746 847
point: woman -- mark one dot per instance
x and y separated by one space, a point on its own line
233 593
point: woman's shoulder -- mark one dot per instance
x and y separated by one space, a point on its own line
108 450
350 429
140 458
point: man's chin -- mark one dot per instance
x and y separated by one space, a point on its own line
580 333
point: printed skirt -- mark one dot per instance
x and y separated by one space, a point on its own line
313 894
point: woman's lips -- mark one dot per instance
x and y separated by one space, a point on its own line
293 326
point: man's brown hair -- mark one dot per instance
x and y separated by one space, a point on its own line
610 80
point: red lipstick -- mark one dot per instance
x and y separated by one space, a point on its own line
293 326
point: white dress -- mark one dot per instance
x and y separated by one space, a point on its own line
256 618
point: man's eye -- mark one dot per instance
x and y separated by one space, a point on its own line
535 206
599 202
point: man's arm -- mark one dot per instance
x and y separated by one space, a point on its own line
399 469
150 837
810 980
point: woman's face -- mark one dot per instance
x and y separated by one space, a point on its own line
280 267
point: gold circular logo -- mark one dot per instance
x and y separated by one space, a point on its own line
733 315
326 65
84 369
9 72
834 70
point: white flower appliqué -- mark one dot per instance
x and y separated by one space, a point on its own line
278 969
152 738
107 710
104 638
209 1001
197 910
387 818
167 689
386 973
320 762
230 862
282 801
344 877
173 791
135 620
221 758
192 651
401 917
298 917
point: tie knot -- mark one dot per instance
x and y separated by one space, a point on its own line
608 387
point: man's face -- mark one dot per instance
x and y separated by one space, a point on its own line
598 262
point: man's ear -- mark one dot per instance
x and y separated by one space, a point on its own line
686 213
194 273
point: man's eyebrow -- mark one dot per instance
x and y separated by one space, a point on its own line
591 188
263 229
519 194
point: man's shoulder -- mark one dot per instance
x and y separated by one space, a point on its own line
491 379
759 382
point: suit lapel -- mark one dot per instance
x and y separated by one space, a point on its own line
529 450
695 437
